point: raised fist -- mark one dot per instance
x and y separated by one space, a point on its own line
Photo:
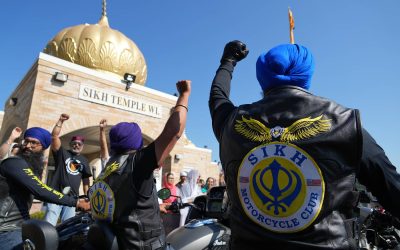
183 86
234 51
15 133
103 123
64 117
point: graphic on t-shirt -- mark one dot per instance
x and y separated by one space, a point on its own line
74 166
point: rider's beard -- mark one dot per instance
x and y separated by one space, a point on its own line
34 160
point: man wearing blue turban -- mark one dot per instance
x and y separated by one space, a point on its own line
286 64
20 181
291 158
124 197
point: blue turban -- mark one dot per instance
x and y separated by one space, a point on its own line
40 134
286 64
125 136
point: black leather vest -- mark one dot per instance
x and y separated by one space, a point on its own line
136 218
326 132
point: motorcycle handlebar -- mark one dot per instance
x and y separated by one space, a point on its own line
379 215
176 206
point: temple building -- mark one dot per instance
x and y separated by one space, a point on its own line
83 72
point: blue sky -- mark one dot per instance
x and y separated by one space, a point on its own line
355 45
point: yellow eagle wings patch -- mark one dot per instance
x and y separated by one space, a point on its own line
301 129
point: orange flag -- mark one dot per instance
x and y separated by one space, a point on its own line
291 26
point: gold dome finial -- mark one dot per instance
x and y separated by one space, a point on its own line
101 48
104 20
104 8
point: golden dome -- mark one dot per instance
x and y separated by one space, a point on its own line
101 48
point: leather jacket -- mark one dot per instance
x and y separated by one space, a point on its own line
135 215
13 209
266 181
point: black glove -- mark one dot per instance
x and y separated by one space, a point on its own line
234 51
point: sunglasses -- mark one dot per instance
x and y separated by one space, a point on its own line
32 142
73 143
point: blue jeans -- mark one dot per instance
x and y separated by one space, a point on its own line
11 240
54 211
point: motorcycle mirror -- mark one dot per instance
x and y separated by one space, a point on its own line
164 193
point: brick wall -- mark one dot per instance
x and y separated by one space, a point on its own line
41 100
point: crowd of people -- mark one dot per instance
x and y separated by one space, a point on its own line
189 186
290 164
128 169
202 186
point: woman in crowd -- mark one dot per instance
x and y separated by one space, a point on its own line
210 182
169 179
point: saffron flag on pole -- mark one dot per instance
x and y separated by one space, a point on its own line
291 26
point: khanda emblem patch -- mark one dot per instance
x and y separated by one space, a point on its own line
280 186
101 195
102 201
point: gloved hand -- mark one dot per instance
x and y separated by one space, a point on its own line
234 51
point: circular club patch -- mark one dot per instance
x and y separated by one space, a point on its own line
102 201
280 187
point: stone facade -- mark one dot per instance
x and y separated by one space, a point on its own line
41 99
1 118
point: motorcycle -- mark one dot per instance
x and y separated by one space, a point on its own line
207 225
379 229
78 232
71 234
207 228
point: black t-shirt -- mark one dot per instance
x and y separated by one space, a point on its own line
144 165
23 182
70 170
